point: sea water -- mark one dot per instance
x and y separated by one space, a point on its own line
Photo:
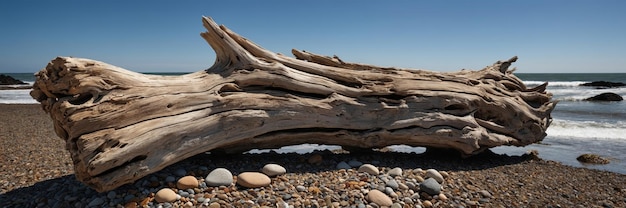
578 126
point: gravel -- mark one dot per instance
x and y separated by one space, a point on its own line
36 171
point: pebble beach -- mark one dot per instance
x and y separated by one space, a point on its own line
36 171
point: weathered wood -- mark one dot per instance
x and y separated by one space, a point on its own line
120 125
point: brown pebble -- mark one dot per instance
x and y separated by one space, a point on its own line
379 198
253 180
130 205
222 196
442 197
164 195
145 201
214 205
187 182
427 203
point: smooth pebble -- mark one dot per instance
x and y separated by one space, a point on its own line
368 168
432 173
253 180
354 163
343 165
165 195
187 182
300 188
379 198
392 184
430 186
395 172
180 172
219 177
273 170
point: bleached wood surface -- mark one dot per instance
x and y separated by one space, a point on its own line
120 125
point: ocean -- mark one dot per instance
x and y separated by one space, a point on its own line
578 127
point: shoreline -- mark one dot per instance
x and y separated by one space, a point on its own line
36 170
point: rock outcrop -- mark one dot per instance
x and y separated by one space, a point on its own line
608 96
8 80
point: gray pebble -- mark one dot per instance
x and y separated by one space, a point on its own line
286 196
129 197
393 184
183 193
201 199
389 190
95 202
111 194
415 196
180 172
411 185
381 187
343 165
430 186
300 188
396 205
219 177
355 163
170 179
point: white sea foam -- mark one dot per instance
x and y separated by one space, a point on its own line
587 130
16 97
572 91
555 83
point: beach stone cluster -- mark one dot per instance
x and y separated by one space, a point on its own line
365 185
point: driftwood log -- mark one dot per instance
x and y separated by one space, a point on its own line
120 125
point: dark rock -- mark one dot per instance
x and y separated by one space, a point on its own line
604 84
608 96
593 159
8 80
430 186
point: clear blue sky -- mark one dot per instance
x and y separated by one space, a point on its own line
556 36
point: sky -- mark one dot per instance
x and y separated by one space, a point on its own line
555 36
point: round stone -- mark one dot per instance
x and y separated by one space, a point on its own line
392 184
432 173
355 163
95 202
430 186
219 177
165 195
170 179
442 197
367 168
300 188
485 193
273 170
253 180
343 165
187 182
379 198
180 172
395 172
